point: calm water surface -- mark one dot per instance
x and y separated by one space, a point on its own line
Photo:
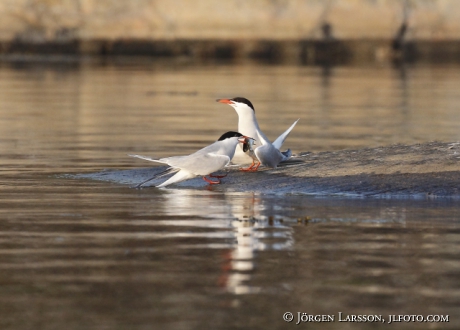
77 254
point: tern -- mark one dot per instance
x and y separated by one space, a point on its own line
201 163
267 153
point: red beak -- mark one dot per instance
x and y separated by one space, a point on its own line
244 138
226 101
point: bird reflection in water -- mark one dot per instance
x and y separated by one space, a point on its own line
254 231
244 224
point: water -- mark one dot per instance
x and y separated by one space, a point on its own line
79 254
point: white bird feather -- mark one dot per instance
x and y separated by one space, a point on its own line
201 163
265 153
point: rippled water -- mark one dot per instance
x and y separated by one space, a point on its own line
79 254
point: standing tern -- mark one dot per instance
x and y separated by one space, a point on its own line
267 153
201 163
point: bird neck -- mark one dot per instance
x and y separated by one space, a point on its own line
246 115
248 125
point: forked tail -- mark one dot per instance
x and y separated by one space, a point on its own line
287 154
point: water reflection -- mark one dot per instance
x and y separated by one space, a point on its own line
239 261
250 223
81 254
122 256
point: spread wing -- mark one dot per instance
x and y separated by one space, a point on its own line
280 140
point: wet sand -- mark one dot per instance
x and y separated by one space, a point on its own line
416 171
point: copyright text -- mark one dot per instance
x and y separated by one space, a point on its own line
302 317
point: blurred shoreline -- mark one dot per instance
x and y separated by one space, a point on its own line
306 52
283 31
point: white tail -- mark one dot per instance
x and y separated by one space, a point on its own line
150 159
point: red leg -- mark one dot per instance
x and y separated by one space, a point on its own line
251 168
210 181
247 169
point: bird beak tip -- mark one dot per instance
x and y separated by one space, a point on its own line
226 101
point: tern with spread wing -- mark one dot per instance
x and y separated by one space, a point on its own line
266 153
201 163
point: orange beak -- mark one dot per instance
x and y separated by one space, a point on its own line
226 101
244 139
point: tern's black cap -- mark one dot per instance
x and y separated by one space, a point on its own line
229 134
245 101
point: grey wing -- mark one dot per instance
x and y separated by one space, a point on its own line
200 163
166 160
172 160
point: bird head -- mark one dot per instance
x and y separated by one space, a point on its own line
240 104
247 141
230 134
